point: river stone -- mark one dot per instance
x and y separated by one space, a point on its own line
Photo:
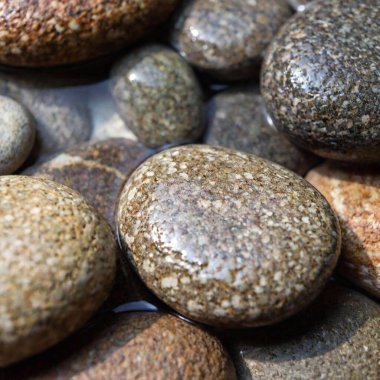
17 131
321 79
50 33
96 170
355 196
338 337
158 96
227 38
132 346
226 238
299 5
57 264
237 119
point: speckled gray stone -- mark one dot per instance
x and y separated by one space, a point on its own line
227 38
58 259
158 96
17 134
337 337
227 238
237 119
321 79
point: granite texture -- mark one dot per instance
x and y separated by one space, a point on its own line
338 337
321 79
96 170
132 346
158 96
49 33
17 135
227 38
237 119
227 238
57 264
355 195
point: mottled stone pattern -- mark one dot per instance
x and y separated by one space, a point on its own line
321 79
227 38
17 135
48 33
338 338
355 196
227 238
158 96
237 119
57 264
132 346
97 171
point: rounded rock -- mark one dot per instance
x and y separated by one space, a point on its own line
50 33
158 96
355 196
237 119
337 337
227 238
17 131
299 5
227 39
321 79
57 264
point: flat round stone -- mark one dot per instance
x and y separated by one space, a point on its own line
58 261
158 96
17 131
355 195
132 346
237 119
227 238
50 33
337 337
321 79
227 38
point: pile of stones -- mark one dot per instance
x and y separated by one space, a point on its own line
190 189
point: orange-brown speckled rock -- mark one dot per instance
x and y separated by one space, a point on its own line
132 346
48 33
355 195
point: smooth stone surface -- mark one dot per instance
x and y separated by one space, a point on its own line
337 337
57 264
355 196
96 170
227 238
321 79
50 33
132 346
17 134
237 119
227 38
158 96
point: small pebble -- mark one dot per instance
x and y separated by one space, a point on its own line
227 38
57 264
227 238
321 79
17 135
299 5
158 96
355 195
237 119
337 337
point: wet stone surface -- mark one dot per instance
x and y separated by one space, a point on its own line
227 39
48 231
158 96
227 238
337 337
17 135
237 119
321 79
355 195
132 346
